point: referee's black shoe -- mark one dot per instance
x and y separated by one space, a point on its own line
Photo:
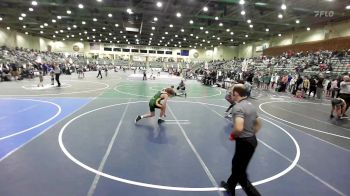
224 185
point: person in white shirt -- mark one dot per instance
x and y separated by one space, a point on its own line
99 69
57 71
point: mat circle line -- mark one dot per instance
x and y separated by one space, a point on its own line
51 86
162 187
305 127
68 93
59 110
138 95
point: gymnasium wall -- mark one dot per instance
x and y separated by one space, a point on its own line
12 38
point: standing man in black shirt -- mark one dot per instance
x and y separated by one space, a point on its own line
246 124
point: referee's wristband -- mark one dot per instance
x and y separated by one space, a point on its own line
232 136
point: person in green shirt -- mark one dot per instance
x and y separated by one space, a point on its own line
159 101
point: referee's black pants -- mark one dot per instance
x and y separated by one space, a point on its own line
58 79
245 148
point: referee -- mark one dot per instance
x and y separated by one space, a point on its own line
246 124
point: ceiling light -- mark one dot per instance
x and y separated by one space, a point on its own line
104 28
85 32
251 26
191 21
176 36
26 33
53 21
191 34
159 4
153 28
206 32
68 28
197 37
20 18
228 30
24 26
171 26
242 12
280 16
166 33
94 19
41 32
69 12
75 26
23 15
129 11
246 36
34 3
155 19
94 30
201 28
218 38
59 17
42 26
243 42
220 24
81 6
283 7
182 30
178 14
231 40
8 28
61 31
297 21
231 33
279 35
54 36
0 18
116 25
216 18
83 22
249 21
308 29
205 9
31 9
242 2
347 7
267 30
110 15
151 34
